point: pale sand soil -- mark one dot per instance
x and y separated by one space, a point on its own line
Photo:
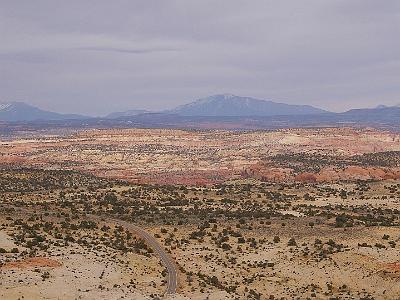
371 270
78 276
6 242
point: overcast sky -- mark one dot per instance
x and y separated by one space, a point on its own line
95 57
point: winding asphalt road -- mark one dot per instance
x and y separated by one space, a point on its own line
166 259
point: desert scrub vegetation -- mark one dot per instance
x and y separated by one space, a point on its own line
244 239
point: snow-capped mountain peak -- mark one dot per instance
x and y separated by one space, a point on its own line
231 105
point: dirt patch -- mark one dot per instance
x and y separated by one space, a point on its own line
6 241
35 262
394 266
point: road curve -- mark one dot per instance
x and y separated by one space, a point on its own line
167 261
169 264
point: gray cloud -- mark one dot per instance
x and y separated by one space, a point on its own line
98 56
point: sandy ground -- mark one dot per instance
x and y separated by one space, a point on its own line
75 273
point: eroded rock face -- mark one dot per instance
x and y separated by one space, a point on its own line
306 177
165 156
328 174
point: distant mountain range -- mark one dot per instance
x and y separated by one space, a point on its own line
215 106
217 109
20 111
382 113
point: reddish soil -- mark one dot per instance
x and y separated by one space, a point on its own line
10 159
394 266
35 262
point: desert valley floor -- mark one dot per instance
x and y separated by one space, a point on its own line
286 214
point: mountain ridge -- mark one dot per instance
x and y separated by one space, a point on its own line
15 111
216 106
232 105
